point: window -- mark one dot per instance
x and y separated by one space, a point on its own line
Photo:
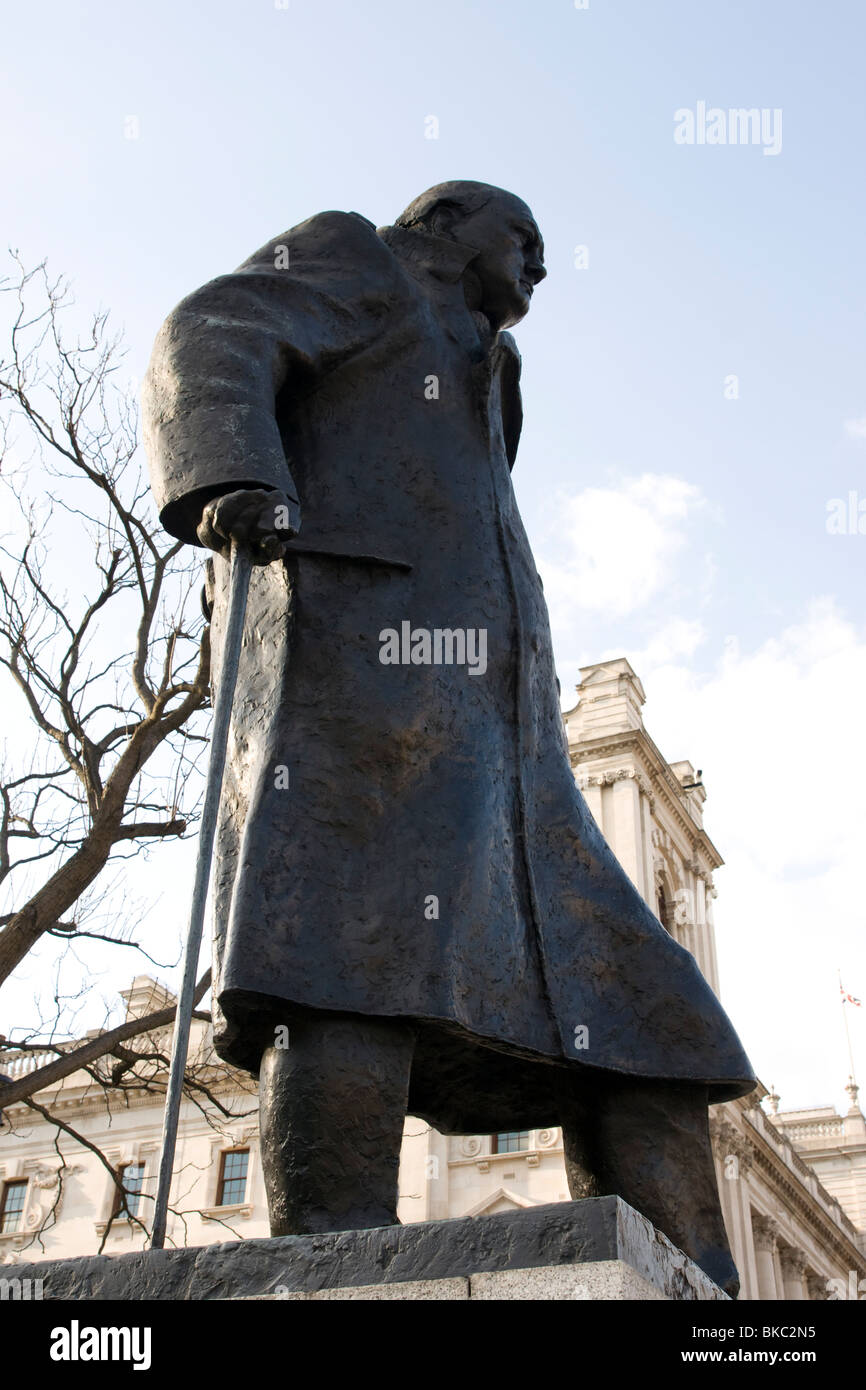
512 1142
12 1205
132 1177
232 1186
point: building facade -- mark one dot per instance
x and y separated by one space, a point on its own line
793 1184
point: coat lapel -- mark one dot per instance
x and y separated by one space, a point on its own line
438 264
506 368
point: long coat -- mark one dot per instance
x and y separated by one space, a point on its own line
403 840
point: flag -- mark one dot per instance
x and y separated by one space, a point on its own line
848 998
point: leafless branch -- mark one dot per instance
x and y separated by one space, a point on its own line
119 724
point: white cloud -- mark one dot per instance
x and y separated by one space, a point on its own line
614 548
778 733
679 637
856 428
776 728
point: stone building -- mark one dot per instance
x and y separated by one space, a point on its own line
793 1184
834 1146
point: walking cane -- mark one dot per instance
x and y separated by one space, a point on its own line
239 583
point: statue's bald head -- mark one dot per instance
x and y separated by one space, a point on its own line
436 210
499 227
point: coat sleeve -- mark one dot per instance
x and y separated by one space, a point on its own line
301 306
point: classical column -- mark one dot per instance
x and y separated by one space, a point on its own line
733 1154
647 806
686 926
765 1233
437 1176
591 789
728 1202
627 838
793 1264
712 973
700 901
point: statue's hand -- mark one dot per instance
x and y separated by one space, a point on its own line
254 517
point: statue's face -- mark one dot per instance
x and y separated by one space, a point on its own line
510 262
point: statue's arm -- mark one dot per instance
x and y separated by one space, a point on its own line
295 310
209 415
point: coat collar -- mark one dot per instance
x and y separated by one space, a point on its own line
440 257
491 353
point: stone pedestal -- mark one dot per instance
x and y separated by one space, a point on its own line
600 1248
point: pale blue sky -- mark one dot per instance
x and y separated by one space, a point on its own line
741 614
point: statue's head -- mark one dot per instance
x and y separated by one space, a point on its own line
500 228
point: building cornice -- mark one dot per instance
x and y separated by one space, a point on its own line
792 1192
84 1102
660 780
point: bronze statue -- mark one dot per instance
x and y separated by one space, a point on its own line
415 910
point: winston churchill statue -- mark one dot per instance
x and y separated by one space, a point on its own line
410 890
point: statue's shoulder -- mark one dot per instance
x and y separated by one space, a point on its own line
329 238
334 252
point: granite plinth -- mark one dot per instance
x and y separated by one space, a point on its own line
599 1248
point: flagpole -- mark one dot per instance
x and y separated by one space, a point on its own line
843 1001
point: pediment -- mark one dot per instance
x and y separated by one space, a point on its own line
503 1199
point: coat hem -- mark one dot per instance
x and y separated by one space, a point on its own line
462 1082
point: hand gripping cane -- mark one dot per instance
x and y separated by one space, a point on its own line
239 583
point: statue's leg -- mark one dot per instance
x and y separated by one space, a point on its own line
648 1142
332 1106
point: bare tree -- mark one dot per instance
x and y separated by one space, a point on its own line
100 635
92 785
107 1070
